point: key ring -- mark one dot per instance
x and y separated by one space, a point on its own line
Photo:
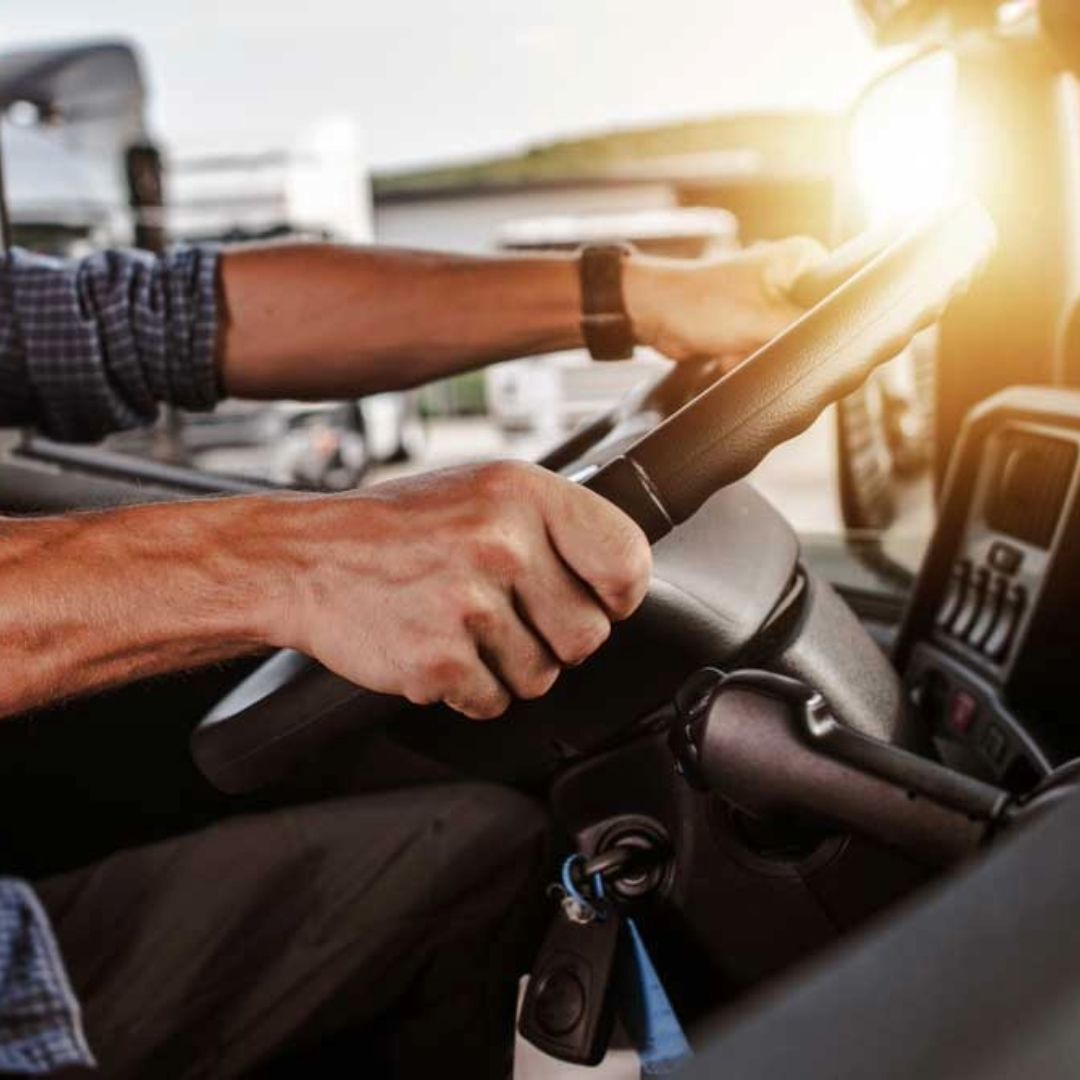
578 906
612 861
566 878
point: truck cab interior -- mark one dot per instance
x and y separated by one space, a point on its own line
842 815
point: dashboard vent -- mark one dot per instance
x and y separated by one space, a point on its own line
1028 493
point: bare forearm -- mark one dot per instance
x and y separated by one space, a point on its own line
96 600
466 586
324 321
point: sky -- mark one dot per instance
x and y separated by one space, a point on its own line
442 80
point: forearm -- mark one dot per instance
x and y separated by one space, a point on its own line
95 600
97 344
467 586
323 321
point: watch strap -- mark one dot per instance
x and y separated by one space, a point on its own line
605 323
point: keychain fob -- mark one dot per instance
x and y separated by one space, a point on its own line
569 1007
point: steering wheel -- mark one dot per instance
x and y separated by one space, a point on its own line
647 405
868 300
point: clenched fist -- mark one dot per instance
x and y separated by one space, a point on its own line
470 586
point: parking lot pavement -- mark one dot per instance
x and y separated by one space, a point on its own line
799 478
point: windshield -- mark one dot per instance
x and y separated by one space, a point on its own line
478 126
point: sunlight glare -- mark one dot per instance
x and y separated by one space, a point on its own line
904 146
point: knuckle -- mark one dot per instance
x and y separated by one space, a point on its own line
627 580
417 692
583 640
497 479
484 706
468 606
499 552
441 673
538 682
784 260
480 617
622 599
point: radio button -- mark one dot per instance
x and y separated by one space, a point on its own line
973 603
1004 558
961 714
991 612
995 745
1012 609
954 598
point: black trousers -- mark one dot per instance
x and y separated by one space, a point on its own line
379 935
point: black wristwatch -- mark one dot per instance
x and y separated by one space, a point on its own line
605 323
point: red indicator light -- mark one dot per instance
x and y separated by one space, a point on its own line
961 715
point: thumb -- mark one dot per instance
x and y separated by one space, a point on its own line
785 261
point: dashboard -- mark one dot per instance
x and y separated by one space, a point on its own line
990 647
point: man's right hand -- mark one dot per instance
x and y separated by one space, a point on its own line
470 586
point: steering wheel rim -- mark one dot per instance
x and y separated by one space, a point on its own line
876 301
776 393
661 398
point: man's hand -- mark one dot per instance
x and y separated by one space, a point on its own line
470 586
722 308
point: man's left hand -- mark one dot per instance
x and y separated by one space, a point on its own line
721 308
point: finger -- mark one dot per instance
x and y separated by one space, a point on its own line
601 545
785 261
561 610
516 656
476 693
730 361
775 319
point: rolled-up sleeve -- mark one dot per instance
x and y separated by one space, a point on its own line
96 345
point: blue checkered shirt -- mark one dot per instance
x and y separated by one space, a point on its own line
87 347
95 346
40 1021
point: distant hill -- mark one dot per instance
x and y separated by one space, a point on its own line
781 144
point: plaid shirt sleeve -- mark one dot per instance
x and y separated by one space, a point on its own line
92 346
40 1020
